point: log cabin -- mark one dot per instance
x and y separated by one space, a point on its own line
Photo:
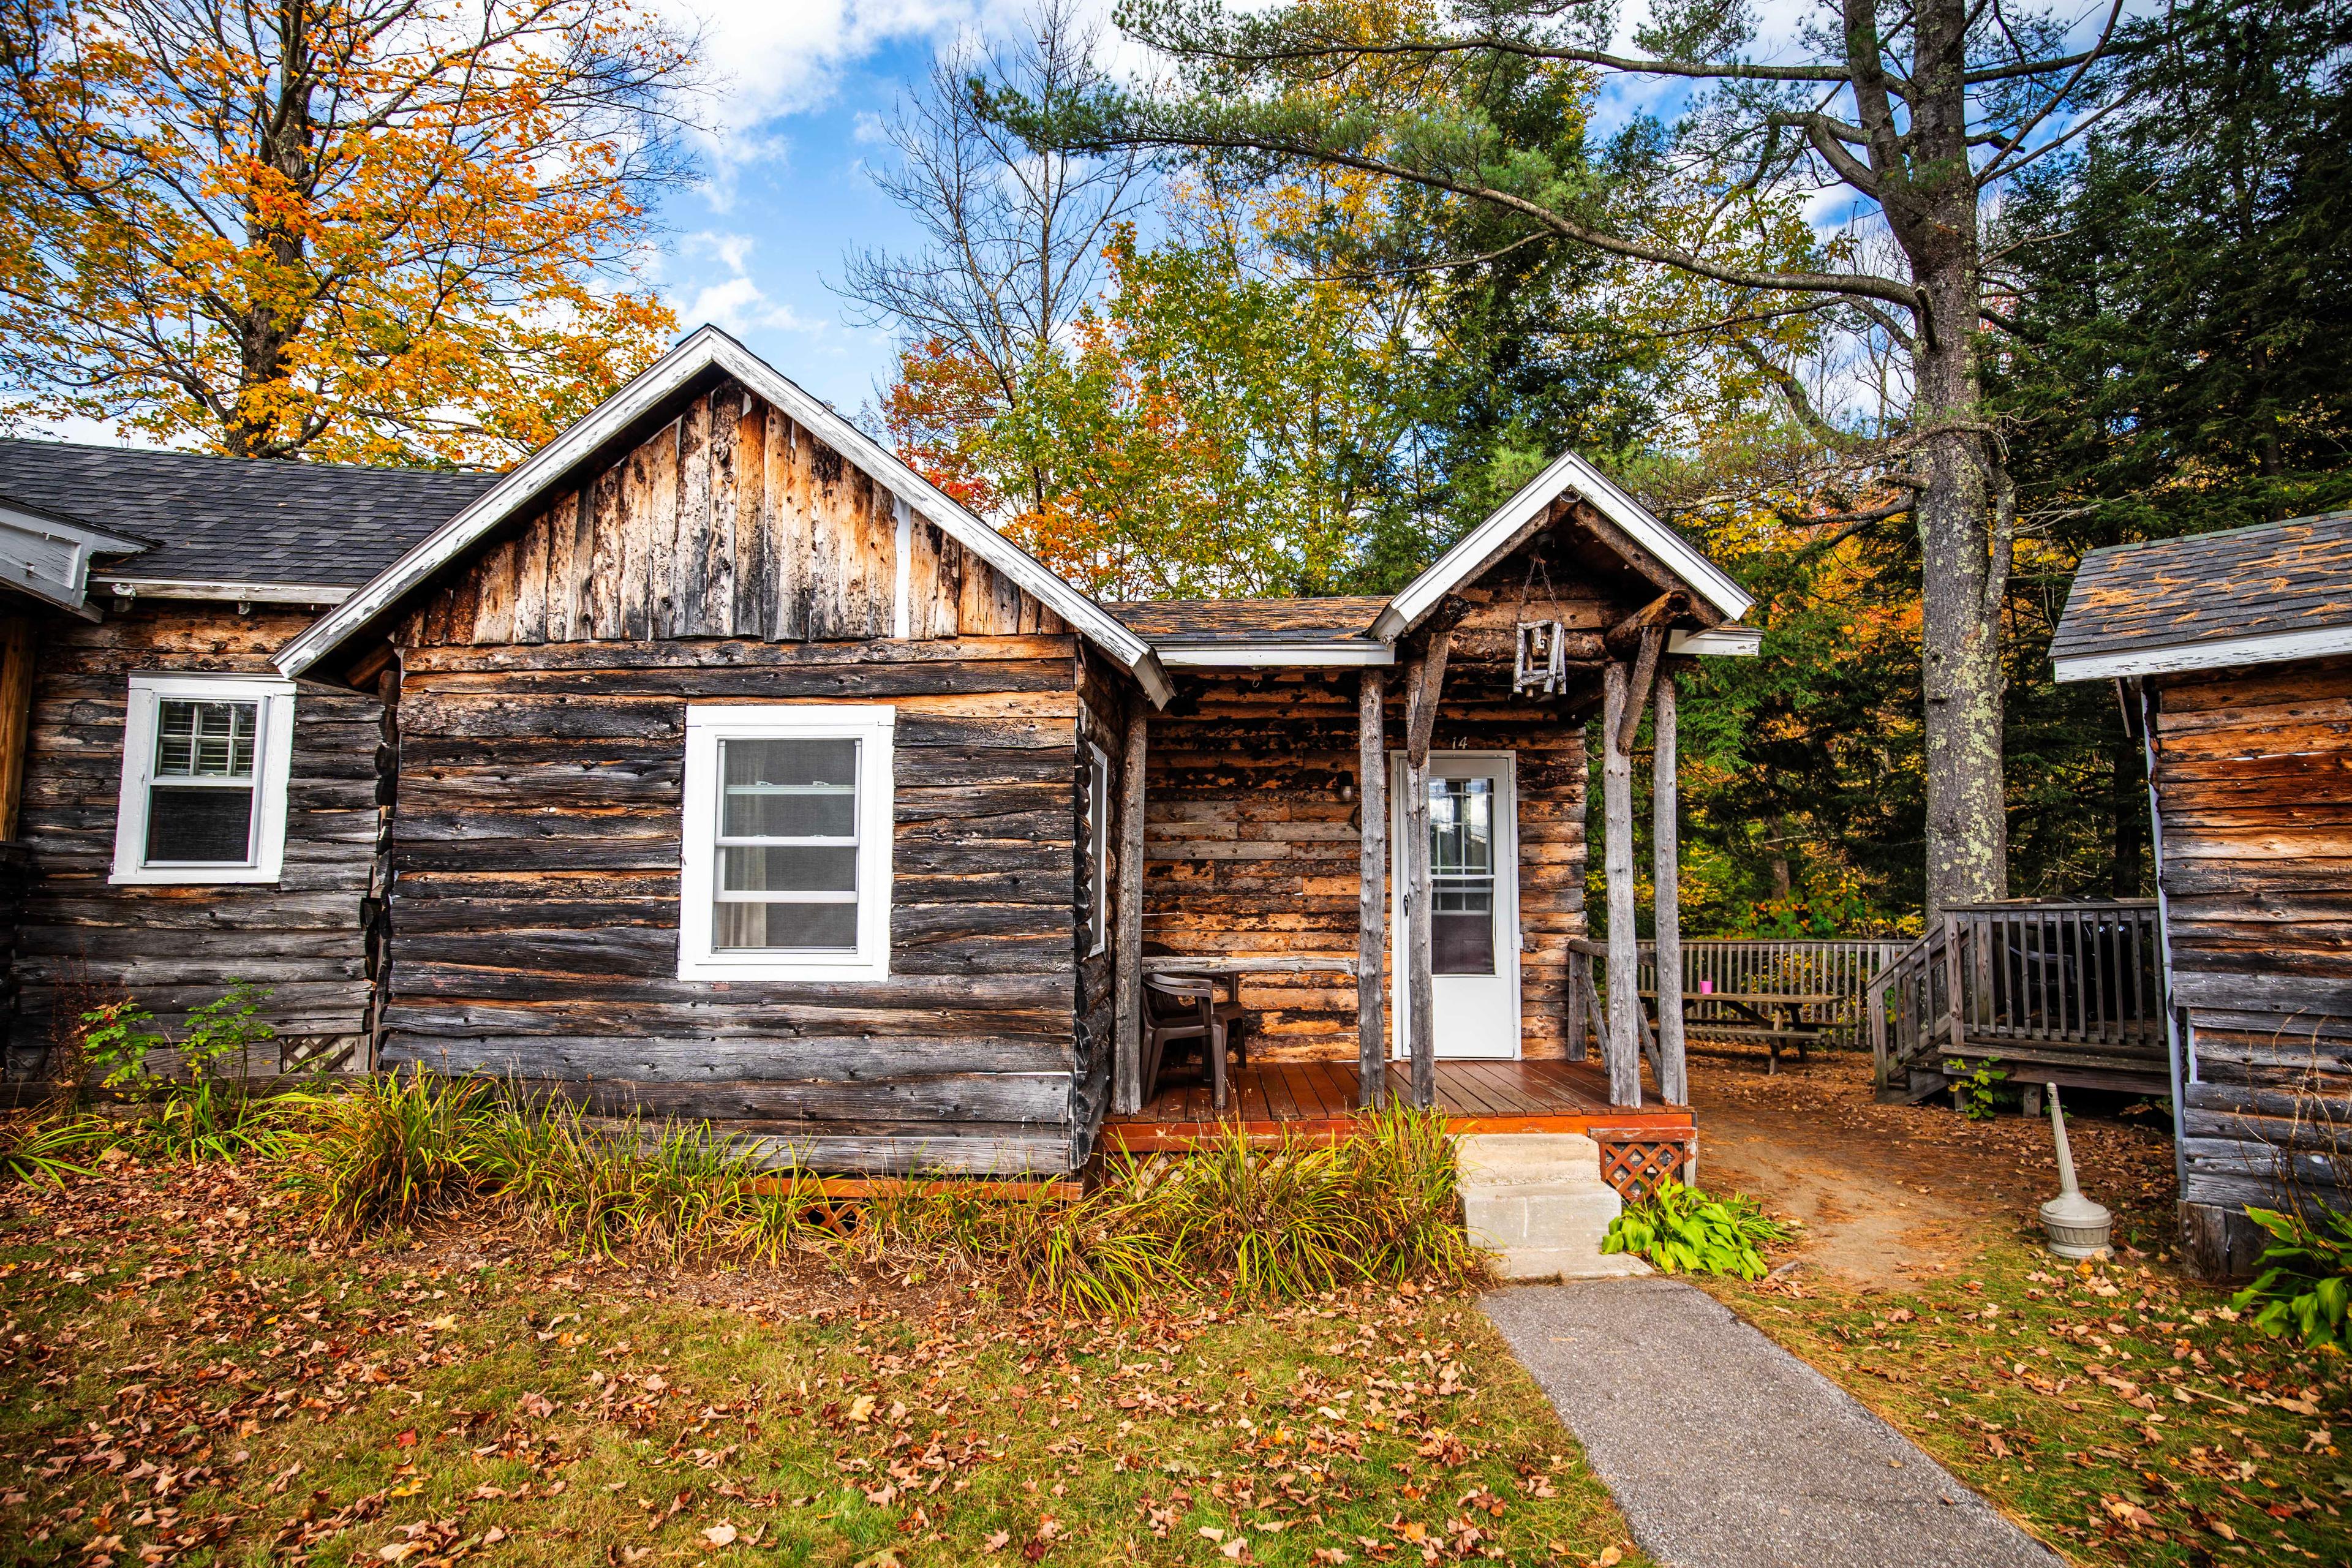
713 764
2231 655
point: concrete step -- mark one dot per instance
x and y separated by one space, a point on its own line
1538 1201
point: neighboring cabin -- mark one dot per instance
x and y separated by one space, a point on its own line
711 763
2232 652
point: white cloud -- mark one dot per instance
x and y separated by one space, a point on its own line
773 59
737 302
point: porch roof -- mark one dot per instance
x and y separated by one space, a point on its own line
1209 632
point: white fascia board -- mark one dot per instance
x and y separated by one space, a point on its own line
704 348
1567 471
1717 642
1288 655
48 556
2267 647
238 593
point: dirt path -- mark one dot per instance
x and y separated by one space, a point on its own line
1890 1192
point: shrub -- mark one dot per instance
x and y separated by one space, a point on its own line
1979 1086
2307 1285
204 1114
1684 1231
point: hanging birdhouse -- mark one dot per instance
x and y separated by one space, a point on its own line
1542 657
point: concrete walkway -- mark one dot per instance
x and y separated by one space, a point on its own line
1725 1451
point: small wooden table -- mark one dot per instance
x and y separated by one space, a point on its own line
1763 1015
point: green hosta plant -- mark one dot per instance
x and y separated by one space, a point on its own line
2307 1285
1681 1230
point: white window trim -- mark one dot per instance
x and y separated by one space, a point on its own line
272 763
1099 815
706 726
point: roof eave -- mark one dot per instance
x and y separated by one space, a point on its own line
2216 653
1569 470
1303 653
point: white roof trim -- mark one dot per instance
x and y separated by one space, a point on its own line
1717 642
123 587
702 349
48 556
1288 655
2265 647
1567 471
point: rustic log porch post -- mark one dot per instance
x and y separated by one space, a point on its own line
1624 1043
1428 680
1674 1081
1127 949
1371 897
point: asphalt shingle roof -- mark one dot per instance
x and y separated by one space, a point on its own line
2271 577
239 519
1248 620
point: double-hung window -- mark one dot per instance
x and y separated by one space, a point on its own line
204 763
785 867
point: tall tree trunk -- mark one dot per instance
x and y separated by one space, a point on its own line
1929 191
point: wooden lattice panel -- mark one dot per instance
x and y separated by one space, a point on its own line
315 1053
1637 1167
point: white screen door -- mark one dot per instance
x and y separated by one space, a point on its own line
1473 935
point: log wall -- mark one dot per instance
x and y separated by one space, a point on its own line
543 687
2253 778
83 941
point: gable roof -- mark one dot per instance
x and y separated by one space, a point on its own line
235 521
1492 538
1238 632
2259 595
704 351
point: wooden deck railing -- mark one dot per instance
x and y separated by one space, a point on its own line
2059 993
1843 967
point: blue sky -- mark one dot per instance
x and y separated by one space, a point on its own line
754 249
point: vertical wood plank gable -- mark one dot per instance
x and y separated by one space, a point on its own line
562 572
530 581
715 600
684 586
601 586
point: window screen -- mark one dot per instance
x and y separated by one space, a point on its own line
200 796
787 848
1462 876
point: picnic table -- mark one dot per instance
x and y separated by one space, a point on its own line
1775 1017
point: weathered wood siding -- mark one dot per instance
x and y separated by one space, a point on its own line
83 939
729 522
731 558
1103 696
2253 775
1252 839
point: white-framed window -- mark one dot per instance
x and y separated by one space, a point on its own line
204 763
785 864
1097 849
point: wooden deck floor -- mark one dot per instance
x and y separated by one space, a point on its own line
1318 1100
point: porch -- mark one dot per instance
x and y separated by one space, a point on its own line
1318 1100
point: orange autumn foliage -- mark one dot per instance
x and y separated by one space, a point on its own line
394 231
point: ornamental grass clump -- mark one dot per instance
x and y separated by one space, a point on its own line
389 1151
47 1149
1681 1230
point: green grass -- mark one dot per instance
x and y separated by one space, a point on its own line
188 1366
2122 1413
